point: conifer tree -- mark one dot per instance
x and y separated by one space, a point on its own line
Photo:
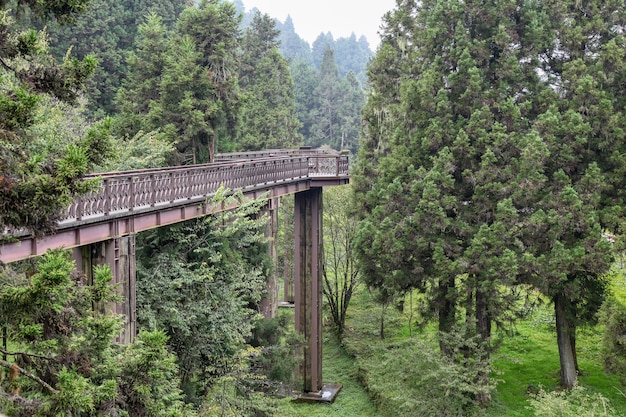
141 87
268 111
472 192
292 46
214 28
36 184
329 95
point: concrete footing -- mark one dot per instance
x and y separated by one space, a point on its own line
327 394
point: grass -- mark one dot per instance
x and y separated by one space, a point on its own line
352 401
530 360
525 361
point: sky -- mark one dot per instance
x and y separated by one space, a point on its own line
340 17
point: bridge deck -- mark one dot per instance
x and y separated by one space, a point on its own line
133 201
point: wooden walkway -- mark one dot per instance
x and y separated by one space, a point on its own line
133 201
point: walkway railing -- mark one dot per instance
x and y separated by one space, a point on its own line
125 192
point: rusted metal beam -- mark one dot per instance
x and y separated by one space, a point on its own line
308 260
87 231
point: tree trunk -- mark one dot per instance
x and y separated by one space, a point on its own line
212 147
483 327
567 356
572 338
446 313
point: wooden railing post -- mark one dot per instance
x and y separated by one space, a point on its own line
131 193
152 190
107 196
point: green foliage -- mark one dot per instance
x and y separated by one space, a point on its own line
232 394
276 360
37 176
218 67
574 403
407 375
435 385
200 282
335 114
142 83
143 150
68 363
108 30
341 271
478 172
613 317
149 378
268 110
183 84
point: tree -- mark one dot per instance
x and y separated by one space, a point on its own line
64 360
304 78
292 46
341 271
268 110
351 114
353 55
141 88
470 195
330 94
200 282
108 30
218 57
319 47
186 103
582 124
35 187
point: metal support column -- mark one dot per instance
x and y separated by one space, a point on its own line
119 254
308 283
269 303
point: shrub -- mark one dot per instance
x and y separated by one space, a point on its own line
613 316
574 403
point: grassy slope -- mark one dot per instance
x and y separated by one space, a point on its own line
526 361
530 359
352 401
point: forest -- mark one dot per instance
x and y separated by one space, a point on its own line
473 267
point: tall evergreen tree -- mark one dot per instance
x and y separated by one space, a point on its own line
319 47
186 103
468 185
141 88
292 46
351 113
305 80
214 28
268 111
329 94
583 124
36 181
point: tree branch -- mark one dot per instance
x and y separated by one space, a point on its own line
34 355
5 65
27 374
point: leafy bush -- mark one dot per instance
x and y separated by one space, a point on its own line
63 351
613 316
574 403
413 378
277 342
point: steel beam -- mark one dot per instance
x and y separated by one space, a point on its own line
269 303
308 259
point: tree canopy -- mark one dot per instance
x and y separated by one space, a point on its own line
37 182
463 183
